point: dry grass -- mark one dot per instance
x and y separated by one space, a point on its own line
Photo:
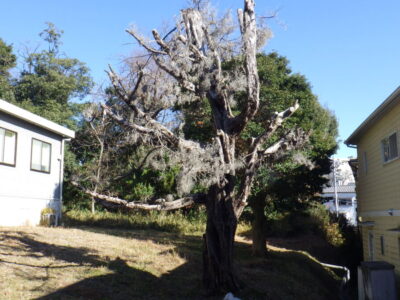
94 263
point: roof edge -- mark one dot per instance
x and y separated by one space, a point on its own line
34 119
374 116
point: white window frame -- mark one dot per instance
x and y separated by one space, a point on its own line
3 145
42 168
386 141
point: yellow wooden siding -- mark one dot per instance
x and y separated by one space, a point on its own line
382 227
379 188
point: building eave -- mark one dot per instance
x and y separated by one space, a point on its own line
376 115
34 119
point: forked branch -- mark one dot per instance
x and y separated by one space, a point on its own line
248 28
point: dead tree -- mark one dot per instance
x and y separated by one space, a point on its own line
192 57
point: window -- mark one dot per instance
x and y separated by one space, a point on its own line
365 163
389 147
8 143
40 156
344 202
382 245
398 243
371 246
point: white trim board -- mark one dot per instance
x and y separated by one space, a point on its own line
29 117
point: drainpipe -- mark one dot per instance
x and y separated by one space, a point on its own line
345 278
61 175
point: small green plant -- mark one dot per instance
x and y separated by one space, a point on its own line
142 191
47 217
315 218
325 225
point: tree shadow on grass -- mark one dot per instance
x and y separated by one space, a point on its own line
124 281
129 283
38 249
283 275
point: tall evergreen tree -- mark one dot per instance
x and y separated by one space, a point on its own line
7 62
50 81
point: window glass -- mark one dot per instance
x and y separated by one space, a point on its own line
398 243
389 147
46 157
41 153
2 134
371 246
36 155
9 147
393 145
8 141
365 162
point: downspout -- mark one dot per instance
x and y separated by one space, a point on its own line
345 279
61 177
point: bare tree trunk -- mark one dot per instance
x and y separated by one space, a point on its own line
259 226
93 208
218 269
98 171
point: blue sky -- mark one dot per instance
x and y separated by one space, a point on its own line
348 50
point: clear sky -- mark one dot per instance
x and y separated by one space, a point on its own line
348 50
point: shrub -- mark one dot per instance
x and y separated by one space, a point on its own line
178 222
325 224
314 219
141 192
47 217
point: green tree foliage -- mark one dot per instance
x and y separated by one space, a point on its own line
291 178
7 62
49 81
290 182
110 163
287 183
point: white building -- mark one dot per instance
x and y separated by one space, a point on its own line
31 165
341 186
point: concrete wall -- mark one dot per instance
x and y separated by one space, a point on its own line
23 192
378 191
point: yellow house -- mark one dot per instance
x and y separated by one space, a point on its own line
378 183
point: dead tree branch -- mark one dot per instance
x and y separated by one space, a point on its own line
159 204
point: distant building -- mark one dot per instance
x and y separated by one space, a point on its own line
31 165
347 203
345 191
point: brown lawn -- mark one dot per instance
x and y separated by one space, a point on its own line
92 263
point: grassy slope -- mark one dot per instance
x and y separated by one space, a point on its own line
94 263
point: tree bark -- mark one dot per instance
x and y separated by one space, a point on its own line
218 270
259 226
